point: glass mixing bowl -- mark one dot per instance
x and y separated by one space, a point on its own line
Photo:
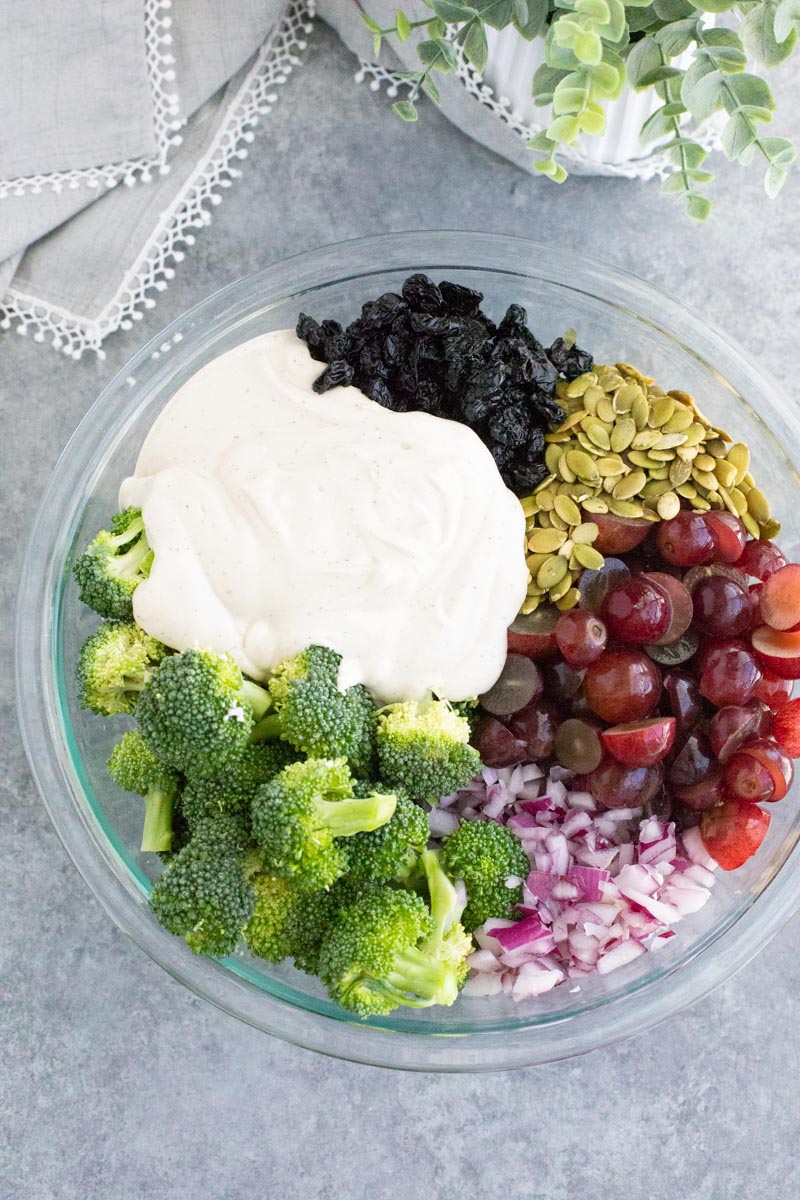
618 317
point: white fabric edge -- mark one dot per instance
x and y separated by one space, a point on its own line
161 75
154 266
649 166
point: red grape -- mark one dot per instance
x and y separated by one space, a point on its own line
728 533
694 763
496 744
594 586
536 727
735 723
674 653
760 559
732 833
562 682
519 683
615 786
773 690
534 634
618 535
581 637
681 601
757 766
640 743
637 611
722 608
577 746
729 673
704 794
684 699
780 598
786 728
623 685
777 652
685 540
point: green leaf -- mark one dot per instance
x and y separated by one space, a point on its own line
729 59
538 17
476 47
564 129
596 10
545 81
703 90
403 27
452 14
405 110
593 121
644 56
552 169
659 75
376 45
588 48
615 26
540 141
437 55
674 184
779 150
737 135
497 13
686 153
720 37
371 25
787 18
715 6
698 207
774 180
568 99
641 19
556 54
656 127
607 80
676 38
673 10
431 90
758 35
700 176
751 91
520 11
436 28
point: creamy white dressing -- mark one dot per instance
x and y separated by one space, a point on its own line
280 518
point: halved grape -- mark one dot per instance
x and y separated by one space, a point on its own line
760 559
684 699
594 586
734 724
696 761
729 535
519 683
614 786
536 727
577 747
496 744
722 607
623 685
637 610
681 600
675 653
534 634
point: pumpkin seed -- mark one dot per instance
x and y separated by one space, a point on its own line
546 541
544 520
566 550
630 485
700 503
758 505
568 600
654 488
551 457
640 410
560 589
551 572
661 411
717 448
640 458
585 533
739 501
595 505
581 464
725 472
670 441
587 444
557 522
625 508
687 490
530 605
622 401
668 506
623 434
679 472
695 434
705 462
568 510
659 472
686 453
751 524
770 528
705 479
572 420
534 561
598 434
609 468
646 439
588 557
661 456
739 458
546 500
564 470
530 505
680 420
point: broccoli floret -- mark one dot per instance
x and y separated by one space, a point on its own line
113 565
448 942
300 816
289 922
197 711
314 716
484 854
205 896
468 709
114 666
135 768
390 852
424 749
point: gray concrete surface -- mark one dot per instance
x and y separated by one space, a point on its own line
115 1082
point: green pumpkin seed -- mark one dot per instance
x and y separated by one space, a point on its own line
568 510
646 439
530 505
581 464
530 605
705 479
546 500
705 462
739 458
585 533
560 589
687 490
595 505
680 420
660 472
751 524
579 386
568 600
588 557
770 528
564 470
700 503
679 472
686 453
623 434
546 541
670 441
640 410
725 472
758 505
695 434
717 448
630 485
551 457
654 488
551 572
598 434
739 501
661 412
661 456
610 468
572 420
625 508
668 506
556 522
605 409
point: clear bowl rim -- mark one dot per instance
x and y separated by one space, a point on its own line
97 862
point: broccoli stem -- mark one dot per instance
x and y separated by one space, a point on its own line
416 972
267 729
256 698
157 830
357 815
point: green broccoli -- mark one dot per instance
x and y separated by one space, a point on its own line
197 711
392 851
289 922
468 709
206 896
113 565
424 749
387 948
484 854
300 816
114 666
314 716
135 768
